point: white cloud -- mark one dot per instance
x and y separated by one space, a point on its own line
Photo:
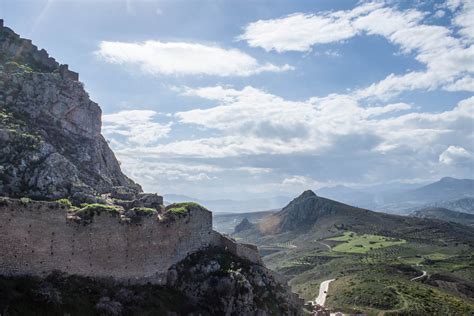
137 126
255 122
300 31
329 53
464 17
439 14
299 141
254 170
455 154
179 58
463 84
446 58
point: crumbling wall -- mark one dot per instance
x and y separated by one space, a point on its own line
36 238
247 251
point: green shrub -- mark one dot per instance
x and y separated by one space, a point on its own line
25 200
88 211
182 208
143 211
178 210
98 208
65 202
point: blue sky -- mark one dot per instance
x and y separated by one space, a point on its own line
241 99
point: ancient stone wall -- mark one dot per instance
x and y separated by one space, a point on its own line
247 251
36 238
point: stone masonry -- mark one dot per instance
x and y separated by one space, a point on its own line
37 238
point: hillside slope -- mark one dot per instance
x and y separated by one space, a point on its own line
315 216
376 259
465 205
444 215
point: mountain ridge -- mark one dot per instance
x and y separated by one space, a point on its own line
444 214
311 214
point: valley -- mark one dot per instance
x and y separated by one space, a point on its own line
381 264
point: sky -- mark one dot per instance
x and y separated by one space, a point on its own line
246 99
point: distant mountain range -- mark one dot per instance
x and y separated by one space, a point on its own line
314 239
465 205
397 198
402 198
232 206
313 217
445 215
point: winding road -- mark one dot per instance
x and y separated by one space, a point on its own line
323 291
419 277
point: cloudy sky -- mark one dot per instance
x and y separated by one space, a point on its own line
219 99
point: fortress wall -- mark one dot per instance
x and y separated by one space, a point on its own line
36 238
247 251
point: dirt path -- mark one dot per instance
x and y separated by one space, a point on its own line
323 291
405 306
326 245
419 277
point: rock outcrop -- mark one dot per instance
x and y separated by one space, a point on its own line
219 283
244 225
50 130
114 246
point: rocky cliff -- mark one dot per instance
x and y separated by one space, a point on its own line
50 130
127 254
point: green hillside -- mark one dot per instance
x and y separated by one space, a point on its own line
376 259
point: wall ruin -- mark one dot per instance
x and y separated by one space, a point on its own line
36 239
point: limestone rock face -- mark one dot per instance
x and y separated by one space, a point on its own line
50 130
222 284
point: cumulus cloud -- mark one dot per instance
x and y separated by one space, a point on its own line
439 14
342 141
464 11
300 31
254 122
463 84
455 155
446 57
267 122
180 58
137 126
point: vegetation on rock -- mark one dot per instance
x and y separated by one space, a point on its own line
87 211
181 208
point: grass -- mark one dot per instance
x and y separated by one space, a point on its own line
87 211
96 207
65 202
178 210
354 243
22 138
182 208
374 291
144 211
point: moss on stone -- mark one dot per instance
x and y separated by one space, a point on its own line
87 211
178 210
182 208
65 202
144 211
